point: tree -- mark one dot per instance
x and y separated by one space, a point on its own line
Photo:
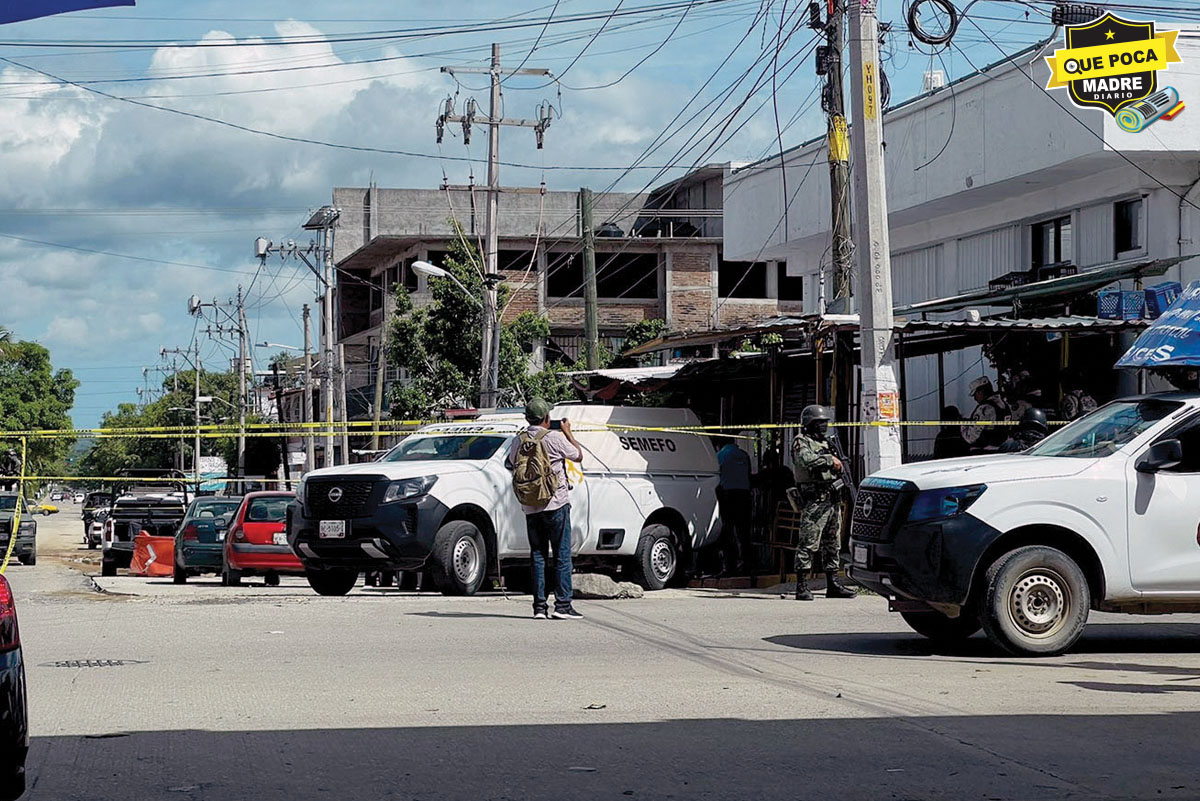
34 396
438 346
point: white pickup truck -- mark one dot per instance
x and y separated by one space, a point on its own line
1103 514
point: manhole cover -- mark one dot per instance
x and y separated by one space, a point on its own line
91 663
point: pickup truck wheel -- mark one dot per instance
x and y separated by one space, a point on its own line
29 561
656 558
1036 601
332 582
459 558
108 567
940 628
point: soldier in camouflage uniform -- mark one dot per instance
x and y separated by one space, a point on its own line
818 474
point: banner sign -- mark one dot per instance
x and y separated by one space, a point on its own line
1174 338
19 10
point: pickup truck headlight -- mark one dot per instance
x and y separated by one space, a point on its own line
300 489
408 488
942 503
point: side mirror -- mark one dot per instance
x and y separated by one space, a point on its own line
1163 455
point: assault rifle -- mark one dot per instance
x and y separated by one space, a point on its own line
847 478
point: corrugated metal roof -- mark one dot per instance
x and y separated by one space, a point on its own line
1072 323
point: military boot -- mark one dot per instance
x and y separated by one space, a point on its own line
803 593
835 589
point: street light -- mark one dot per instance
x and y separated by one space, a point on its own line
433 271
489 362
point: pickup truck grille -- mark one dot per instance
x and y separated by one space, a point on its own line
5 526
355 500
873 514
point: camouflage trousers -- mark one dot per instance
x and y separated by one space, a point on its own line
820 528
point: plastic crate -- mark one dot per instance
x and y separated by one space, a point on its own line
1117 304
1160 296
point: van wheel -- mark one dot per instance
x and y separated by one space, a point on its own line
332 582
941 628
1036 601
459 558
657 557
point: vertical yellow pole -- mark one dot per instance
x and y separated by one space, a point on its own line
16 523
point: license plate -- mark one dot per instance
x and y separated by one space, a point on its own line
860 555
279 538
221 535
332 529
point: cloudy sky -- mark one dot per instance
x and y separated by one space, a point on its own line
115 213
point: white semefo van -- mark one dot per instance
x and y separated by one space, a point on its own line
442 500
1103 514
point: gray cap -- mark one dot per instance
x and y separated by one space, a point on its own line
537 409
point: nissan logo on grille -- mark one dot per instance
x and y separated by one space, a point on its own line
335 494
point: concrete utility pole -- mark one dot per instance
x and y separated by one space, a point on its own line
489 373
241 324
381 367
591 315
327 362
310 461
196 400
283 437
880 396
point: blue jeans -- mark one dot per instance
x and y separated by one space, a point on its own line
548 530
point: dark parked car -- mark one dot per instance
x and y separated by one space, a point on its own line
25 546
14 716
201 537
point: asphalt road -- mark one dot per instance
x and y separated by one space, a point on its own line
274 693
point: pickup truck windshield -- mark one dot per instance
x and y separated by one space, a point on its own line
446 447
8 503
1105 430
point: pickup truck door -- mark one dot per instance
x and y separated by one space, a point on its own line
1164 519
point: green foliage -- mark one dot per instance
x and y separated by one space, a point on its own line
33 395
174 408
640 333
438 346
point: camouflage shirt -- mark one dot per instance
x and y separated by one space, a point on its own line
813 460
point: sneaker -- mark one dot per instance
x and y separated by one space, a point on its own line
566 614
541 614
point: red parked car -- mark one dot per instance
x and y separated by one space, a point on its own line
256 544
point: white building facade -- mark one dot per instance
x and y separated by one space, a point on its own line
991 175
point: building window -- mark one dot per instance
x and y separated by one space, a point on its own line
619 276
791 287
740 279
1127 226
515 261
564 275
1052 243
409 276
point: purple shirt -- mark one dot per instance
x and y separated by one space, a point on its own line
559 449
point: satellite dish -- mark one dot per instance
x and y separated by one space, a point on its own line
193 305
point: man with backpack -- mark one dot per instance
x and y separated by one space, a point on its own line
538 460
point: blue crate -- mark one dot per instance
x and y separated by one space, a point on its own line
1160 296
1117 304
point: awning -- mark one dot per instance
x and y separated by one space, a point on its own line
1173 340
632 375
1078 284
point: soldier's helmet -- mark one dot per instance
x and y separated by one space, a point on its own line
815 414
1034 419
983 383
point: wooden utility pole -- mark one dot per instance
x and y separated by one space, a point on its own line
591 316
489 372
310 460
880 401
283 437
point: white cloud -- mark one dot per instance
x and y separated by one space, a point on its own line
71 332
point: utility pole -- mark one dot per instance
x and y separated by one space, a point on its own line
310 461
880 396
241 325
839 155
381 367
591 317
341 385
327 364
175 398
489 373
283 437
196 445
